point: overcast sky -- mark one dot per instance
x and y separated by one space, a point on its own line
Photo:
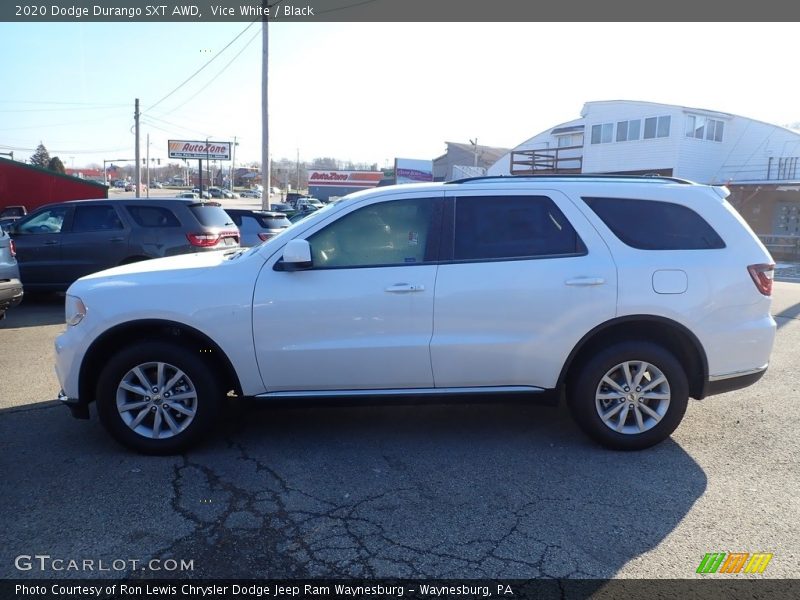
368 92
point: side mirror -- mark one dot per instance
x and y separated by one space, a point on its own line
296 256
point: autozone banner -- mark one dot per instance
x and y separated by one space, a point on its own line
349 179
202 150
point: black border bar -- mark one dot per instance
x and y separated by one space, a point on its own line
712 587
407 11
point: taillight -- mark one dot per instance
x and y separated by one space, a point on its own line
12 247
203 240
207 240
762 275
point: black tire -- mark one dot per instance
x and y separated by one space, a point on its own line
199 384
585 406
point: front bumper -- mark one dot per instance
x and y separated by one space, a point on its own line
77 407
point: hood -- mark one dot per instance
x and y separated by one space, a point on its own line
171 268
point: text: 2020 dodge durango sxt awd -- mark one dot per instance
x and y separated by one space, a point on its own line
630 295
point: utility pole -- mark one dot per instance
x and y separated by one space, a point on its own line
147 167
475 151
265 166
233 161
136 169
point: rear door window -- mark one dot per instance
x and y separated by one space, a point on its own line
655 225
512 227
95 217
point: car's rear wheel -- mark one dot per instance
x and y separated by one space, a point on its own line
157 397
630 396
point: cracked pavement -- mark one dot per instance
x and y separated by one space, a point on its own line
421 491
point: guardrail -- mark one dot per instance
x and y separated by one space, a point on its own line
547 161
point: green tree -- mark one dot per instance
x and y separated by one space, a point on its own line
40 158
55 164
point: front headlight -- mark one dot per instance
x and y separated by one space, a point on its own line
74 310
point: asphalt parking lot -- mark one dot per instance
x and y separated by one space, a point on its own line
495 491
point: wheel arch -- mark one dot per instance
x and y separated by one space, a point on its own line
675 337
131 332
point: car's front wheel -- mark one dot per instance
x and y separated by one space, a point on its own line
157 397
630 396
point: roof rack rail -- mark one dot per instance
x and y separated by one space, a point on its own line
574 176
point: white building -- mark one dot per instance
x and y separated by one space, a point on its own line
757 160
623 136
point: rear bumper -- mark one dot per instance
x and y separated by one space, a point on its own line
10 294
78 408
734 381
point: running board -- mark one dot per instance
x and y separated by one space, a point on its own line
402 393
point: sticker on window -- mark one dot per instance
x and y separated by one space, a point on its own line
413 238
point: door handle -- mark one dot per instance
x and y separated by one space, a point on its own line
117 239
50 243
404 288
585 281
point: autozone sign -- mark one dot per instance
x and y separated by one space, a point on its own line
202 150
345 178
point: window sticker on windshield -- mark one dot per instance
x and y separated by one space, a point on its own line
413 238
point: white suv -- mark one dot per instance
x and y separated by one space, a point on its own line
624 295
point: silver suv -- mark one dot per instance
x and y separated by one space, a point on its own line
625 296
10 285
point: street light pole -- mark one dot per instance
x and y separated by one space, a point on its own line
147 167
137 173
266 182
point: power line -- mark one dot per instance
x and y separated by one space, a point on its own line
59 103
212 59
217 74
147 121
27 110
64 151
40 126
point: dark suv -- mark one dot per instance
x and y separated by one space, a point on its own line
59 243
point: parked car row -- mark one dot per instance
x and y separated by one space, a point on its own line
59 243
